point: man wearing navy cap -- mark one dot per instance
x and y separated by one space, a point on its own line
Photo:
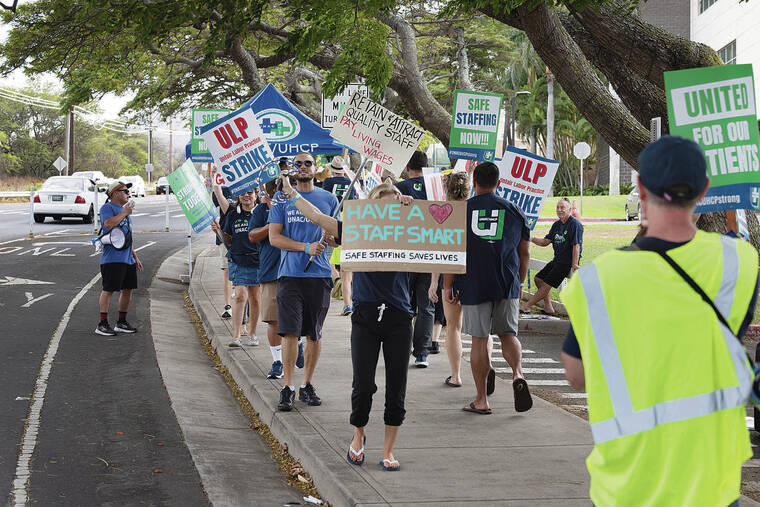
655 341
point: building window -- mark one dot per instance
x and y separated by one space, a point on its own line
704 4
728 53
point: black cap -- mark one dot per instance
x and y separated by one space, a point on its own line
673 168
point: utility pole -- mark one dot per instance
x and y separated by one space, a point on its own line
150 144
171 147
69 143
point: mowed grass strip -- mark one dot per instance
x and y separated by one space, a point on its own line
594 206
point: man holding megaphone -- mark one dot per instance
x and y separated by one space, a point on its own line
119 263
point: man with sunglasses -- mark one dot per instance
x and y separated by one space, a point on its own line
303 296
118 266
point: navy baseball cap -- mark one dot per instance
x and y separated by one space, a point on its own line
673 168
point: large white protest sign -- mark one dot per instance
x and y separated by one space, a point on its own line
525 180
239 149
377 133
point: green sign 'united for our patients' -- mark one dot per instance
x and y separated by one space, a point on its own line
715 106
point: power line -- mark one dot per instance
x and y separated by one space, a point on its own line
94 119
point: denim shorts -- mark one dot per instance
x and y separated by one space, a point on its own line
243 276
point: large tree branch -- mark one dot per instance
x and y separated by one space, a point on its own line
640 47
247 64
568 63
171 60
643 99
463 60
409 83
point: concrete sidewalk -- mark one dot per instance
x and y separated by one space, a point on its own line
448 457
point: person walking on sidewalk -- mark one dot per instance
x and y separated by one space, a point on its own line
655 337
118 266
222 250
338 184
458 188
303 295
566 237
497 264
414 186
243 264
269 263
382 318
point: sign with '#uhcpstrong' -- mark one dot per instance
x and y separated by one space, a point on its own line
715 107
423 237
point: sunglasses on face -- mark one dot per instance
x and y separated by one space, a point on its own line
307 163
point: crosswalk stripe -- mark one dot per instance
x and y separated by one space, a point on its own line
543 382
575 395
552 371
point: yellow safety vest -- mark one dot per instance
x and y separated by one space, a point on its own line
667 383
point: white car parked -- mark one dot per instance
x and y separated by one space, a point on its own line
98 177
65 196
138 185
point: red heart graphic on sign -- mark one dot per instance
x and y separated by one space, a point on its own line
441 212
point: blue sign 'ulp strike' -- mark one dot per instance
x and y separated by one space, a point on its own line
239 149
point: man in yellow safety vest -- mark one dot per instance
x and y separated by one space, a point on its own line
654 340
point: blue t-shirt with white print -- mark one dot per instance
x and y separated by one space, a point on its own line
298 228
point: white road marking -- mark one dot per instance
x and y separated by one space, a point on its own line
575 395
30 300
551 371
60 253
10 249
54 233
539 360
44 243
157 215
12 280
36 251
134 215
177 216
22 398
12 241
146 245
19 492
542 382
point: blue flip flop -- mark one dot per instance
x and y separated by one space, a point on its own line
356 453
390 468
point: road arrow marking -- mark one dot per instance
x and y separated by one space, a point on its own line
12 280
30 300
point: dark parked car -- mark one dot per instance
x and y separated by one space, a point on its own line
162 186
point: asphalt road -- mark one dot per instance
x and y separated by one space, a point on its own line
107 432
149 215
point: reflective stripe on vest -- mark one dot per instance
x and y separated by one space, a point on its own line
626 421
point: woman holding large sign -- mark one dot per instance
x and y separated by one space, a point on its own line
382 318
243 262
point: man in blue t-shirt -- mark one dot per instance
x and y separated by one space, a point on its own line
118 266
497 264
566 237
303 295
414 186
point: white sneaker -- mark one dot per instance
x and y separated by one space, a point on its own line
253 341
236 343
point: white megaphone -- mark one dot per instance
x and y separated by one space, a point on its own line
115 238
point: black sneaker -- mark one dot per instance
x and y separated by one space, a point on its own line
309 396
123 326
105 329
287 396
433 348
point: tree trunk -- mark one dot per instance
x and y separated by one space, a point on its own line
464 61
590 95
549 114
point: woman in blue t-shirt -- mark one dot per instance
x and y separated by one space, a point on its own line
382 317
243 263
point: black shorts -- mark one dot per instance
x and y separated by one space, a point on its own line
302 305
118 275
553 273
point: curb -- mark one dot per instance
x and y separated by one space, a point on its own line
305 442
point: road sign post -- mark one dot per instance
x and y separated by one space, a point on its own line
96 211
31 211
60 164
581 151
166 210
